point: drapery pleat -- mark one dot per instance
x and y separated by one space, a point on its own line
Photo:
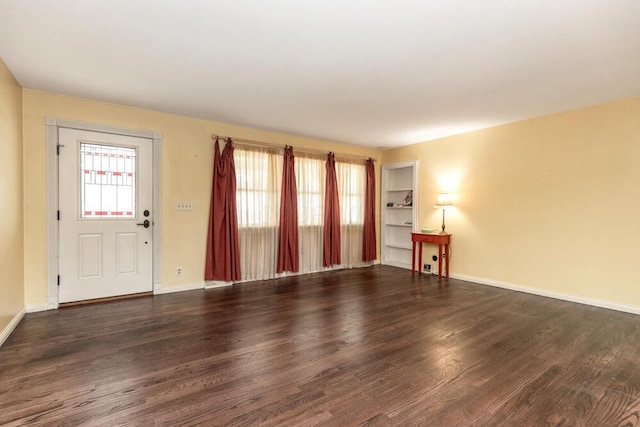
288 259
331 248
223 252
369 233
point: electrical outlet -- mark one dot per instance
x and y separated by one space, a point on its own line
184 206
427 268
179 271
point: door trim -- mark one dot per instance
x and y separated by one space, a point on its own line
53 124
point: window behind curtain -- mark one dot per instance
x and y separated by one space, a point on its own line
351 187
310 183
310 174
259 181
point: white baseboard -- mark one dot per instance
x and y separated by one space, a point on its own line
52 304
181 288
557 295
12 325
211 284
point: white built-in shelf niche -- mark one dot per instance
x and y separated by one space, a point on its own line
398 220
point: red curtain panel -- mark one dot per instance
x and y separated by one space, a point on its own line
288 256
369 231
223 251
331 249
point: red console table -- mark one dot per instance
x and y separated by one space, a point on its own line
436 239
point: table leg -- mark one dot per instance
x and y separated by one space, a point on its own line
446 258
420 258
440 261
413 257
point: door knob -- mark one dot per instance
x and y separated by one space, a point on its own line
145 224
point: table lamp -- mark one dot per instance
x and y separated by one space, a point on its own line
444 202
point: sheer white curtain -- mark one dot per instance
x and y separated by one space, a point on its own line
310 174
351 188
258 180
310 179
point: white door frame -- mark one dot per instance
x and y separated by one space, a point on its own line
53 252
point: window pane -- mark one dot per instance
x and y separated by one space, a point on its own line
310 177
258 177
351 183
107 181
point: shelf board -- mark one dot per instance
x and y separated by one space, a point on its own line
397 264
398 246
399 207
400 225
397 190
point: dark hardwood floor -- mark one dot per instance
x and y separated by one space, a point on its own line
373 346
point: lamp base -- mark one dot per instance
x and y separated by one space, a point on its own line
443 226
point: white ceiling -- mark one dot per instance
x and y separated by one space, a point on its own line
367 72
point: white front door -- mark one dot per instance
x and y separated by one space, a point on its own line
106 219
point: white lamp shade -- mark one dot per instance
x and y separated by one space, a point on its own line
444 201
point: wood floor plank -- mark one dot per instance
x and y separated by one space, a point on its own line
373 346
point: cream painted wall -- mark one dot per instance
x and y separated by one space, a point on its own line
551 203
11 229
186 167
